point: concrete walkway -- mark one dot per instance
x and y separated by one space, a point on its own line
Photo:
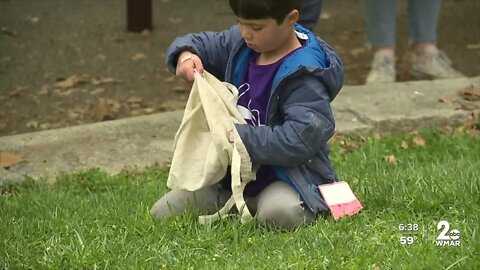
145 141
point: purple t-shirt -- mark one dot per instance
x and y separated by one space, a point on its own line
252 104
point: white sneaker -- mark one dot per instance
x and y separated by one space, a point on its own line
383 69
432 64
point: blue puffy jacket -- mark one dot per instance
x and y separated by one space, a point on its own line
299 118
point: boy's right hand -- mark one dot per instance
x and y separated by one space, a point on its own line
186 65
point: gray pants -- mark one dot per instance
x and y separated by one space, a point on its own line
380 18
278 205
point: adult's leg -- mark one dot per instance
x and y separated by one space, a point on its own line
176 202
280 206
427 62
380 18
310 13
423 20
380 24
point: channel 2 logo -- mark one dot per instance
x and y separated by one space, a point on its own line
447 237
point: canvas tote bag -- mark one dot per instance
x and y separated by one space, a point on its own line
207 142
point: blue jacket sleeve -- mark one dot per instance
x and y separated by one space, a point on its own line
308 123
213 48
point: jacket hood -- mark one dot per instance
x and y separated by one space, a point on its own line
315 57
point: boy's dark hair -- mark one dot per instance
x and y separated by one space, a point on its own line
264 9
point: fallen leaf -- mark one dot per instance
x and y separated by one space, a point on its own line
472 117
473 46
470 93
447 99
72 81
137 112
33 19
32 124
17 91
44 126
404 145
44 91
8 32
134 100
73 114
102 110
472 125
175 20
347 147
473 133
447 130
63 92
96 91
118 39
146 32
134 106
6 193
97 81
149 110
467 105
101 57
418 140
135 103
106 109
390 159
80 112
8 159
139 56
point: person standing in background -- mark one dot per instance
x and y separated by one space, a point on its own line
310 13
425 61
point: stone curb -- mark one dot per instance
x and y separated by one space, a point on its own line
147 140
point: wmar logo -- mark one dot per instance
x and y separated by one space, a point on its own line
447 237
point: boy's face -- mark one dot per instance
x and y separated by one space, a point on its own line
266 35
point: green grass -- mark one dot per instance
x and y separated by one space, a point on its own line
93 221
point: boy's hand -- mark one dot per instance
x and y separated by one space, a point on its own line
187 63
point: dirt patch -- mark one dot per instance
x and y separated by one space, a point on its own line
65 63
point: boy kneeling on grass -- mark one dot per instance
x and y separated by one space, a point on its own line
286 77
